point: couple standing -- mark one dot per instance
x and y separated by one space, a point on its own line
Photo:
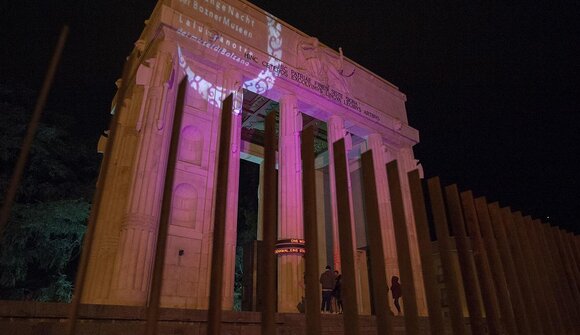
331 288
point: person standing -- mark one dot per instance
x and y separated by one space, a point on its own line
327 280
396 292
336 293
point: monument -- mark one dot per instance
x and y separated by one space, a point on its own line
228 46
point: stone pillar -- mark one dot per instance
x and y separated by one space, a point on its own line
232 82
135 254
336 131
290 267
108 222
375 143
407 163
321 218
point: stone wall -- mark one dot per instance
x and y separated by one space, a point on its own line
35 318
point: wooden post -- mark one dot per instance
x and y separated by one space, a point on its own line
157 280
345 235
472 291
488 293
403 252
558 269
523 275
496 266
375 241
534 268
546 273
426 252
214 313
544 278
313 326
570 260
574 245
270 215
30 132
573 260
507 261
567 267
449 271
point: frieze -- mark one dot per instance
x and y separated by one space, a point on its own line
272 67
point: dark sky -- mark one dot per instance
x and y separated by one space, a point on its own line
492 87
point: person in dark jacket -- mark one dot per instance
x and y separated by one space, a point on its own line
396 292
336 292
327 280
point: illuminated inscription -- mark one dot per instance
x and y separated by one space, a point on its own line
226 14
330 93
214 47
223 14
215 94
290 246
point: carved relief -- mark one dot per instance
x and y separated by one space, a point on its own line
322 64
184 205
191 148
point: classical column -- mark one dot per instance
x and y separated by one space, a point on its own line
290 266
108 222
375 243
347 240
407 163
336 131
133 263
232 82
375 143
404 255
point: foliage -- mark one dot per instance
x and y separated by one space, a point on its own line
247 222
41 243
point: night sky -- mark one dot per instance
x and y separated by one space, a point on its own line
492 88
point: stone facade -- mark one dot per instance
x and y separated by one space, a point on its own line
220 47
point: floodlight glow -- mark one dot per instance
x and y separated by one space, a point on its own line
263 82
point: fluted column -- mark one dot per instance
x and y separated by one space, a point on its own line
336 131
290 267
133 263
408 163
108 222
375 143
232 81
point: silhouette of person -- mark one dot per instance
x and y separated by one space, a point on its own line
327 280
336 292
396 292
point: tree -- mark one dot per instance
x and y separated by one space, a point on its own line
41 243
247 221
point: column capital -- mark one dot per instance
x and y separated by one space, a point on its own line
288 100
335 120
375 141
